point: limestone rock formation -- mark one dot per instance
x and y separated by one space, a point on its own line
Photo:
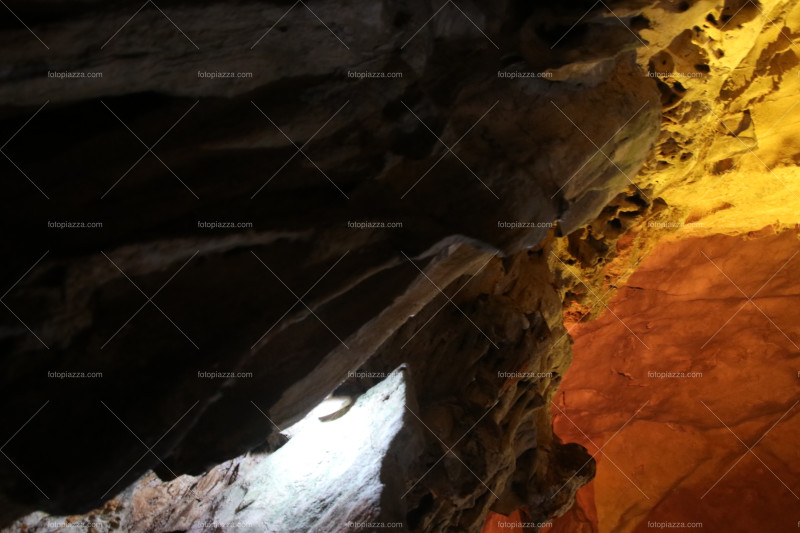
725 161
726 158
330 476
373 223
371 162
708 374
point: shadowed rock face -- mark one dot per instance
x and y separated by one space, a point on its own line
298 488
300 152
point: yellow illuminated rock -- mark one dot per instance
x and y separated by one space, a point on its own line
727 157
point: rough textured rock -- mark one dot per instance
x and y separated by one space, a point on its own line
452 294
225 300
330 476
725 163
726 159
704 343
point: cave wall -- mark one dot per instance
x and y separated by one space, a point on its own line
711 84
300 152
693 374
725 165
726 158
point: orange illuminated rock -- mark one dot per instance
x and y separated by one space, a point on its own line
497 523
679 378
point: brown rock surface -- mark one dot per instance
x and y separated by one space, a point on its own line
153 300
447 152
674 460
